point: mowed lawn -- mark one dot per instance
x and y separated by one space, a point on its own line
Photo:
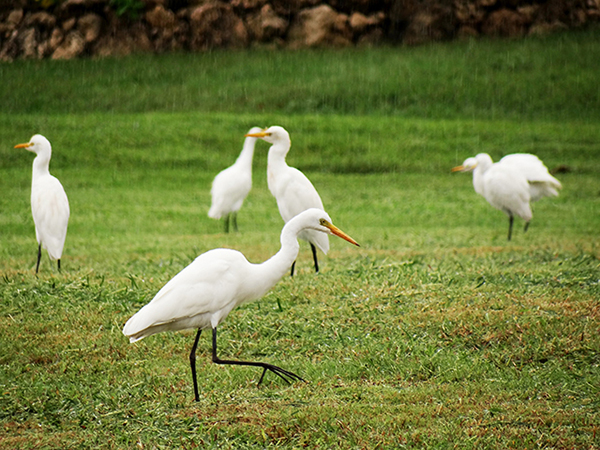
435 333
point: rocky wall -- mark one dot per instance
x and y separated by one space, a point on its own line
63 29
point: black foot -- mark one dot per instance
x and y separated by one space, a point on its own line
285 375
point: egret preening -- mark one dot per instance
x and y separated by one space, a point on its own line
204 293
49 203
512 183
231 186
291 188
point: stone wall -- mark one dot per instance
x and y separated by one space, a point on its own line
63 29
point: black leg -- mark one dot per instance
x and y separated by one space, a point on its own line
58 263
526 226
193 365
285 375
226 220
510 225
234 219
37 266
314 252
292 271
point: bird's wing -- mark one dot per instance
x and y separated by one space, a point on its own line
532 168
295 193
229 189
507 190
521 158
50 210
205 287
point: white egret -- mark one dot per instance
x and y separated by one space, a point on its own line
231 186
512 183
291 188
204 293
49 203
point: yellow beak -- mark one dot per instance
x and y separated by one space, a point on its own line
25 145
261 134
335 230
458 168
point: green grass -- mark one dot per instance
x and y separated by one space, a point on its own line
436 333
551 78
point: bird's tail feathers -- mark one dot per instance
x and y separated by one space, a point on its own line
214 214
54 245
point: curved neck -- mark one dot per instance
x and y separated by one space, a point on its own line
477 180
279 264
41 165
484 162
247 153
278 152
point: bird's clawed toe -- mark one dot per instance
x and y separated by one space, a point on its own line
285 375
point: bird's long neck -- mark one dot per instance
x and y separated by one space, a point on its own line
279 264
247 153
477 180
276 161
484 162
278 152
41 165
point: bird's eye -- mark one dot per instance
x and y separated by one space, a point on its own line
322 222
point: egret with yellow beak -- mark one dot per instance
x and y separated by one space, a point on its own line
205 292
512 183
49 203
291 188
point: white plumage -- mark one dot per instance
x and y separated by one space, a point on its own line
49 203
232 185
541 183
204 293
292 190
512 183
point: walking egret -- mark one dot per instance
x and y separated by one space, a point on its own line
291 188
204 293
231 186
512 183
49 203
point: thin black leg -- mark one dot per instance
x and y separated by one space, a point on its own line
285 375
314 252
37 266
526 226
193 365
510 225
234 220
226 220
292 271
58 263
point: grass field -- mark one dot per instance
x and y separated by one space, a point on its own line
435 333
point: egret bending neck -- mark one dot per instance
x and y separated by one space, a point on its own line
41 165
279 264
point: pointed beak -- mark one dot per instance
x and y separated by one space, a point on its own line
261 134
335 230
25 145
458 169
